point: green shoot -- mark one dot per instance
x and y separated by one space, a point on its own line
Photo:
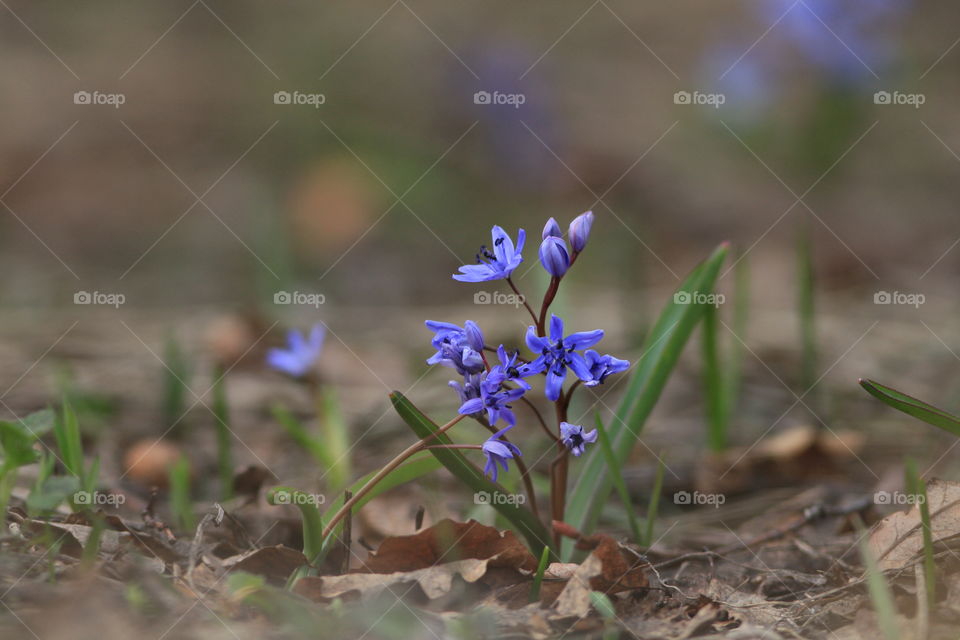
92 546
713 382
654 505
180 504
913 407
221 414
175 381
66 430
16 443
604 606
618 482
880 594
336 439
917 487
299 434
309 511
538 576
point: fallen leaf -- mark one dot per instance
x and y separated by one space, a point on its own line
434 581
449 541
274 563
897 540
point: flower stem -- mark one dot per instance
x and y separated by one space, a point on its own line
547 299
393 464
543 423
524 298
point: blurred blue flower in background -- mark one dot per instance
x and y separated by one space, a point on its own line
301 352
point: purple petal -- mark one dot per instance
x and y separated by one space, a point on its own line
556 328
474 405
554 384
583 339
535 342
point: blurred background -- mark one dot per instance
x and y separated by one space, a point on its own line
199 158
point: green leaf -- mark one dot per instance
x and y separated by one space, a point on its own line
618 482
17 444
913 407
52 493
39 422
66 430
662 350
519 516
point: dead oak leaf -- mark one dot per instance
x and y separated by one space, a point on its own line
449 541
897 540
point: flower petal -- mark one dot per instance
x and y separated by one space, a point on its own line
556 328
583 339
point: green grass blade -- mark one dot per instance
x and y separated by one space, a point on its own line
917 487
309 512
299 434
912 406
880 594
335 439
713 382
538 576
662 350
180 503
176 379
654 506
66 431
618 482
519 516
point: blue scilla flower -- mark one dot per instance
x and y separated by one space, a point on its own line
514 369
602 366
498 451
579 231
469 389
457 347
575 438
495 264
494 399
558 352
300 354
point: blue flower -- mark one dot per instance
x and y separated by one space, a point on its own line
494 398
513 369
552 229
574 438
457 347
497 264
300 354
559 352
554 256
602 366
498 450
579 231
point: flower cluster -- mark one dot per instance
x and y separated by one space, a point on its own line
488 388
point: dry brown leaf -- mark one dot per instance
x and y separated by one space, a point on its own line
897 540
574 600
274 563
449 541
435 581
